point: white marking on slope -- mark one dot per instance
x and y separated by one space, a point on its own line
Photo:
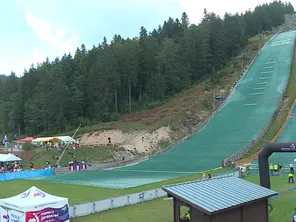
259 93
261 83
259 88
266 72
267 77
250 104
268 67
270 62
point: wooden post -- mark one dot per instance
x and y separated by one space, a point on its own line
176 210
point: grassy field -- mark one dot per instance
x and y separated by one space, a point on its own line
162 210
81 194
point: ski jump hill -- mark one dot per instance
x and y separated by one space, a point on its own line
238 123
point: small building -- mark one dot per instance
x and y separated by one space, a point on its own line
223 199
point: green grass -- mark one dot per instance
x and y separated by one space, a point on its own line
92 155
284 112
162 210
81 194
283 207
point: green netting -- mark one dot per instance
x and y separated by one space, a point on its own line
239 122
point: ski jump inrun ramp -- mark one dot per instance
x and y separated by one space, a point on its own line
240 121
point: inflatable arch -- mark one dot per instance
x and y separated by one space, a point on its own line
263 159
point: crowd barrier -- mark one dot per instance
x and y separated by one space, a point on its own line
26 174
111 203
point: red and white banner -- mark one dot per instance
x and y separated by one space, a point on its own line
77 167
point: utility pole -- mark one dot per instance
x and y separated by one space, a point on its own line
242 64
67 146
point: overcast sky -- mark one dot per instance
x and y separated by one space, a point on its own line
34 29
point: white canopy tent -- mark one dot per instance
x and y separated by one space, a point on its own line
9 158
36 203
66 139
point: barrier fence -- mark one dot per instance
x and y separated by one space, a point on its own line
85 209
238 155
26 174
112 203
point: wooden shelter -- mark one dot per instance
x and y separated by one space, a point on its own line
224 199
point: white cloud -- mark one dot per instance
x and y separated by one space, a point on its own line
56 37
38 57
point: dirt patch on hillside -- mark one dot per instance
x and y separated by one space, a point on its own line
138 141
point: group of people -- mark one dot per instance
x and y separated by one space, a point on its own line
275 169
10 167
244 170
291 174
59 145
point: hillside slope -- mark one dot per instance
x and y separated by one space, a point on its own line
242 119
146 131
152 130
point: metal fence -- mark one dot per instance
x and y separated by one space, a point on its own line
246 149
112 203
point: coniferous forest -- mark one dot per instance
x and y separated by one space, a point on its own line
125 75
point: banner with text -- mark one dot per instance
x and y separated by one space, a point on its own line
11 216
49 215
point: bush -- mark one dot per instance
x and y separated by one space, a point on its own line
27 146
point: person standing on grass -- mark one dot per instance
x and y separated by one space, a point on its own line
291 178
291 168
294 216
271 169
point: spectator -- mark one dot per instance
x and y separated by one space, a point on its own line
294 216
204 176
291 178
291 168
271 169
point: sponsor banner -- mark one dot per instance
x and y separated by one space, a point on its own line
77 167
11 216
49 215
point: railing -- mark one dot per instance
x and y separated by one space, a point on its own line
238 155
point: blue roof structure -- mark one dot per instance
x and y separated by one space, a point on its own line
214 195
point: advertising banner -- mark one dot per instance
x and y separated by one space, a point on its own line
49 215
11 216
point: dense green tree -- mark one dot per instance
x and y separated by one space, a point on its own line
122 76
